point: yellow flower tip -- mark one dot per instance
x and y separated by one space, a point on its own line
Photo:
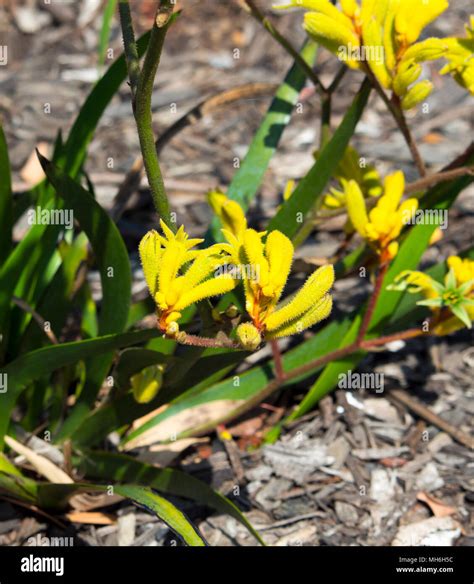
147 383
225 435
317 313
248 336
230 213
150 252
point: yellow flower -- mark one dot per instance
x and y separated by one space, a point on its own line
455 295
380 34
178 276
234 224
383 224
271 262
229 212
460 56
463 270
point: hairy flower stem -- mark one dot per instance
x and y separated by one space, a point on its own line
285 43
142 89
195 341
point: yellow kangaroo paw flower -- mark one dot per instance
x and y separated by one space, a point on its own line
394 185
372 32
171 260
463 268
213 287
407 210
417 94
313 289
279 252
356 208
254 254
330 33
229 212
323 6
203 267
427 50
319 312
408 72
150 254
414 15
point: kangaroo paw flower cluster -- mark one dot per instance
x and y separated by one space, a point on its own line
382 225
271 320
380 34
178 276
456 294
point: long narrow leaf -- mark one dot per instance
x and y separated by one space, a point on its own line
248 178
292 213
112 258
123 468
105 30
51 495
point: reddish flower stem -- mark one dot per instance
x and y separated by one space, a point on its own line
280 374
372 303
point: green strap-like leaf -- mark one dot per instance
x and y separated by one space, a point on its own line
248 178
112 258
105 30
123 468
11 272
55 495
166 511
292 213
